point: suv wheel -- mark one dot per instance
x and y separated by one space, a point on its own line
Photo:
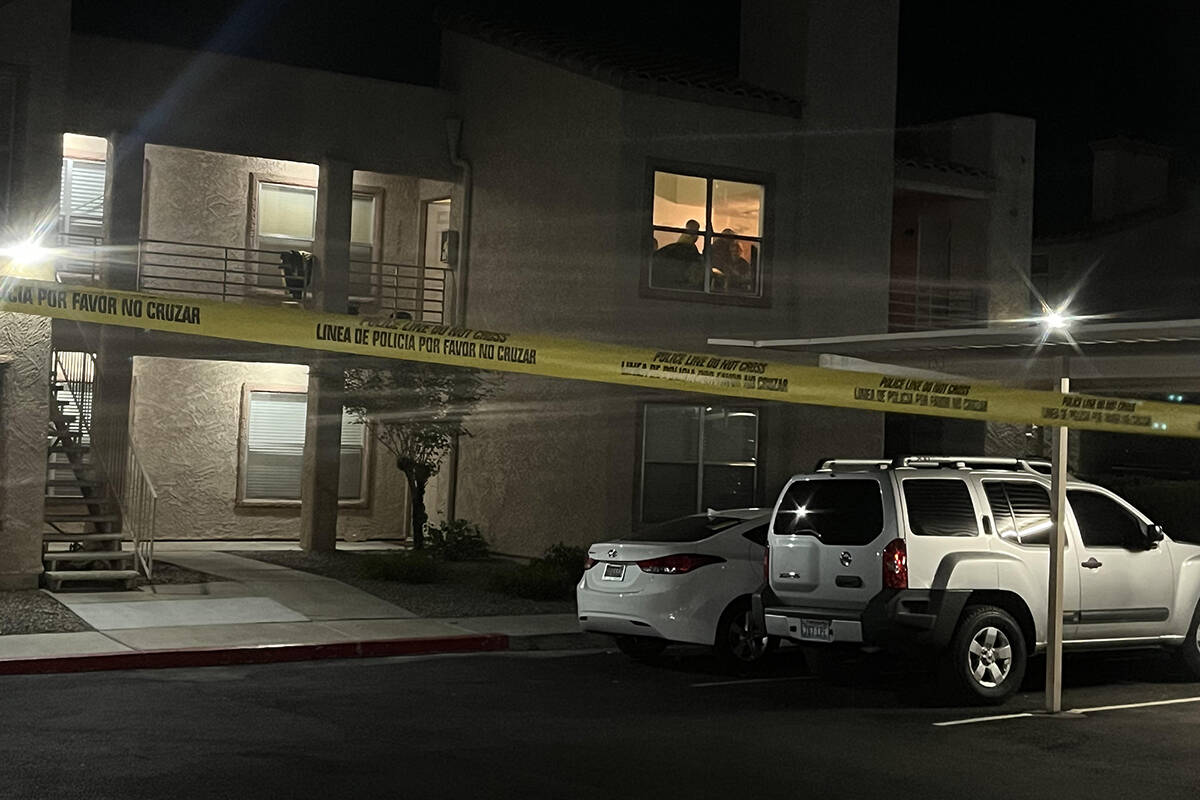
1188 655
736 643
986 657
641 647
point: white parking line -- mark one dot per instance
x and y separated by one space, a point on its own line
754 680
982 719
1091 710
1137 705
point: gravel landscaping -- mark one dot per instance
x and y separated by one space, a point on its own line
35 611
463 588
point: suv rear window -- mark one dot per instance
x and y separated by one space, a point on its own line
684 529
940 507
838 512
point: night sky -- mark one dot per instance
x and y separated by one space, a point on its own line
1084 71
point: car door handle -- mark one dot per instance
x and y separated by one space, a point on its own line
1092 563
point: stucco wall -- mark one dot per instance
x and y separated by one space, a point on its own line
203 197
559 222
186 422
24 397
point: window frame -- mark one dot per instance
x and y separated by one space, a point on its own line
640 472
976 532
1012 515
269 280
709 172
363 501
1143 522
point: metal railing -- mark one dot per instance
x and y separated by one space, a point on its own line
241 274
931 306
112 455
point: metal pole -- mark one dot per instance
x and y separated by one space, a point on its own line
1058 506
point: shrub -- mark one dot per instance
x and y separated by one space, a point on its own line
401 567
456 540
551 577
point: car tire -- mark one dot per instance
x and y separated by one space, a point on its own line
641 647
1188 654
985 662
735 642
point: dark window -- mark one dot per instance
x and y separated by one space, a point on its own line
940 507
1103 522
1020 511
685 529
697 457
837 512
757 535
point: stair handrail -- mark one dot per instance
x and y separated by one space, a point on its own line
136 498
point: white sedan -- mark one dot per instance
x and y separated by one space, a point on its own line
687 580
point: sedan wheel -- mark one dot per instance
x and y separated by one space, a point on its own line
737 643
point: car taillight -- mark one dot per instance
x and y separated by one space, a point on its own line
588 563
895 565
678 564
767 565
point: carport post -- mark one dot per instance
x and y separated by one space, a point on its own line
1054 606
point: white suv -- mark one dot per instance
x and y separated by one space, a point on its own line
951 554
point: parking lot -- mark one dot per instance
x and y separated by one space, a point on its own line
587 724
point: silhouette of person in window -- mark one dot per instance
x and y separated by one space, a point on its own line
680 265
730 271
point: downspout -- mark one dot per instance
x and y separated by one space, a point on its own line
453 141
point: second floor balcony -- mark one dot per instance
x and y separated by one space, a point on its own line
246 275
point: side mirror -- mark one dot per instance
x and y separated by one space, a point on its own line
1154 535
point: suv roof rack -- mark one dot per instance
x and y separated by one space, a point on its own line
1033 465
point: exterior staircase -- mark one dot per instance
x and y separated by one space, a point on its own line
82 540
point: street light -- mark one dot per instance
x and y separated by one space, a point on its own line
27 258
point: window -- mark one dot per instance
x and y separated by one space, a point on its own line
697 457
81 198
838 512
1020 511
707 235
1103 522
287 220
940 507
272 455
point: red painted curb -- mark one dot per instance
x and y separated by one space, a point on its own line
261 654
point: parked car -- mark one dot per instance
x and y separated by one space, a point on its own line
950 555
686 580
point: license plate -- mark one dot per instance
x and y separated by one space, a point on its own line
816 630
614 572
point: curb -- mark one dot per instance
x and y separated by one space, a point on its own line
258 654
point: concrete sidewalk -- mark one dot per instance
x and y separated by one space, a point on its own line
262 612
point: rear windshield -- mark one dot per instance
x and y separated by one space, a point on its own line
837 512
685 529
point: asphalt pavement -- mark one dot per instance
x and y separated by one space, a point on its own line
586 725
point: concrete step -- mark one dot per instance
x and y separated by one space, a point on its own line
69 448
112 558
54 579
71 500
82 537
58 516
77 483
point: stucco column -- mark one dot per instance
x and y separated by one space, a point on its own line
118 270
24 400
323 426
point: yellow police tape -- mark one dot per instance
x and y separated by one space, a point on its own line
734 376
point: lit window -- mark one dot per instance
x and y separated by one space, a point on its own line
272 449
708 235
81 199
287 220
697 457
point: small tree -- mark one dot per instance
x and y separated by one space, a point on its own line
415 411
